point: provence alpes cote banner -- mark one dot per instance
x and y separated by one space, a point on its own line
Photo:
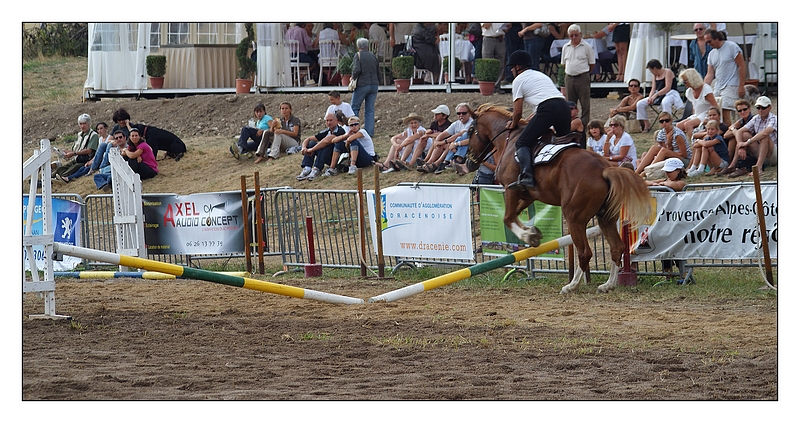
715 224
424 222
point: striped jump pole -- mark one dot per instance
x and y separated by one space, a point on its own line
204 275
479 268
101 274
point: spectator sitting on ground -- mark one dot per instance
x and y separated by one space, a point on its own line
102 179
596 137
576 125
438 152
701 95
252 133
318 149
628 103
713 113
663 89
744 109
619 147
284 137
122 121
456 153
337 104
676 175
403 143
140 156
359 143
104 141
710 151
670 142
758 138
82 151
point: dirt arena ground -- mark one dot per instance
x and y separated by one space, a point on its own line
191 340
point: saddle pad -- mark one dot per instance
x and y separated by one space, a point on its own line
550 151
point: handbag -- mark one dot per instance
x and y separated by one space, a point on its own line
353 81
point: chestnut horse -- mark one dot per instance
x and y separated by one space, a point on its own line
583 183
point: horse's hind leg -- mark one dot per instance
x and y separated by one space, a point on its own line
617 248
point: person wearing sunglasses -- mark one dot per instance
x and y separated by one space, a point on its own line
441 144
744 110
701 95
358 142
578 58
628 103
670 142
619 147
758 138
698 50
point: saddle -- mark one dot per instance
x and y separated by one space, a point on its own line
545 152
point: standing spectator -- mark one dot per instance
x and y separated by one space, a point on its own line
318 149
578 59
300 33
82 151
619 147
475 32
378 35
663 91
424 41
725 66
251 135
698 50
397 36
534 37
513 42
670 142
338 105
494 46
140 156
701 95
628 103
366 70
621 37
285 136
758 138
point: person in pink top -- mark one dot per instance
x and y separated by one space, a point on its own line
301 33
140 156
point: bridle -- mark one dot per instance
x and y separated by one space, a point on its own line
489 149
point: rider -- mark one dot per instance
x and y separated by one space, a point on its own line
550 109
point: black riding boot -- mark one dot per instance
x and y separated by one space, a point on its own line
525 179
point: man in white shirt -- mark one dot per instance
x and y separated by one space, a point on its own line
337 104
550 109
577 56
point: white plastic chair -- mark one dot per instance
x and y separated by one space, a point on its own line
418 73
444 51
329 54
294 62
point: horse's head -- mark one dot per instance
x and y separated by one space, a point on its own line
486 127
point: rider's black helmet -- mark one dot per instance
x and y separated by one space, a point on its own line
521 58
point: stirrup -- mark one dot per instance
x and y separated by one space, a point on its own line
521 184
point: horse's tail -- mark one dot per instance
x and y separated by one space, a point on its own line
628 190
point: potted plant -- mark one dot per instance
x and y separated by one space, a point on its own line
402 70
446 67
247 67
487 71
345 68
156 69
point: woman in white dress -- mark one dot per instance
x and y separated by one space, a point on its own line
701 95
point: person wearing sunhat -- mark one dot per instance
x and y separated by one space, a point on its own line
676 175
550 108
403 144
757 138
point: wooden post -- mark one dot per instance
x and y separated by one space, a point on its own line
378 221
762 224
362 224
259 224
246 221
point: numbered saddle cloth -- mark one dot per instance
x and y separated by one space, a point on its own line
549 152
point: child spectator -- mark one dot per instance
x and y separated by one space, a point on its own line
676 175
251 134
711 150
596 137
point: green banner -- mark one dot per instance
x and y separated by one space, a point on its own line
497 239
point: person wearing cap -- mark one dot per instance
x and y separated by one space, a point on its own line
444 139
549 106
758 138
82 150
403 144
676 175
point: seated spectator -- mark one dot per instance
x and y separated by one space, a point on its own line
104 141
337 104
758 138
285 136
743 108
377 35
122 121
485 175
82 151
140 156
710 151
701 95
714 113
576 124
676 175
359 30
670 142
102 179
252 133
619 147
438 151
456 153
301 33
605 57
317 150
596 138
628 103
403 143
663 92
359 143
424 40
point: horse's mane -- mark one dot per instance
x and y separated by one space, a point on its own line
496 108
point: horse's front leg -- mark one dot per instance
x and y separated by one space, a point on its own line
530 236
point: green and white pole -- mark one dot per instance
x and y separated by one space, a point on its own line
479 268
203 275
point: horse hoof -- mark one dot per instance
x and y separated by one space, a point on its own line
565 290
603 290
534 238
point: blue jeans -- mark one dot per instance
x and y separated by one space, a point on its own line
461 151
100 157
534 46
320 157
245 144
101 179
366 93
363 159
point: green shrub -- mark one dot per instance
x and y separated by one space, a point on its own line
403 67
156 65
487 70
247 67
345 65
64 39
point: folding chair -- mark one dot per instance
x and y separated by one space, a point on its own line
294 62
329 53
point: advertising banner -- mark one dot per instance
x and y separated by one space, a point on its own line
66 230
425 222
193 224
498 240
715 224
